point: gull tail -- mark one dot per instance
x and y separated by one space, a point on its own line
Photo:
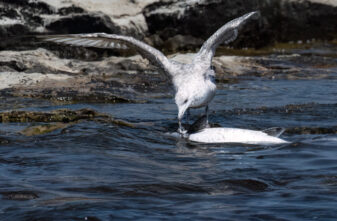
274 131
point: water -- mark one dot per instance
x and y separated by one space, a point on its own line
102 171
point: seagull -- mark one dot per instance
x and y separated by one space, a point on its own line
194 83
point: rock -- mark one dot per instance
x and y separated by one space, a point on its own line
57 119
3 141
43 129
282 20
62 115
247 184
79 24
312 130
21 17
125 14
275 66
124 123
19 195
171 21
181 42
73 16
41 74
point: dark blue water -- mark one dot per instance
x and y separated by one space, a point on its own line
102 171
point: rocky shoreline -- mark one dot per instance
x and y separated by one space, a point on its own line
41 73
167 24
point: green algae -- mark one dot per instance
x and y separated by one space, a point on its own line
57 119
43 129
62 115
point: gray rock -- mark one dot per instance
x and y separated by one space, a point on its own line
41 74
19 17
19 195
282 20
177 25
181 42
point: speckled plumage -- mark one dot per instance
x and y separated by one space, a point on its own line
194 83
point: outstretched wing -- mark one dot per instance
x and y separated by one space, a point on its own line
102 40
227 33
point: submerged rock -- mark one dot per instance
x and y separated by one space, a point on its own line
63 115
19 195
3 141
43 129
57 119
312 130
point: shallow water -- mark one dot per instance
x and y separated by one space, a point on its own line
101 171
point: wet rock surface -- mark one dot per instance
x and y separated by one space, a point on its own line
64 116
57 120
41 74
19 195
44 129
54 120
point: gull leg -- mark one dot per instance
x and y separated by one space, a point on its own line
181 112
181 129
188 115
206 112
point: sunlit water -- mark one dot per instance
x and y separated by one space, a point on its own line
101 171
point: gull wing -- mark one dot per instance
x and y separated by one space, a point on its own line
102 40
227 33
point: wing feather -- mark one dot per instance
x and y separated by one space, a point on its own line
227 33
102 40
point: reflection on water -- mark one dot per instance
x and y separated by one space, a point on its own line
101 171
